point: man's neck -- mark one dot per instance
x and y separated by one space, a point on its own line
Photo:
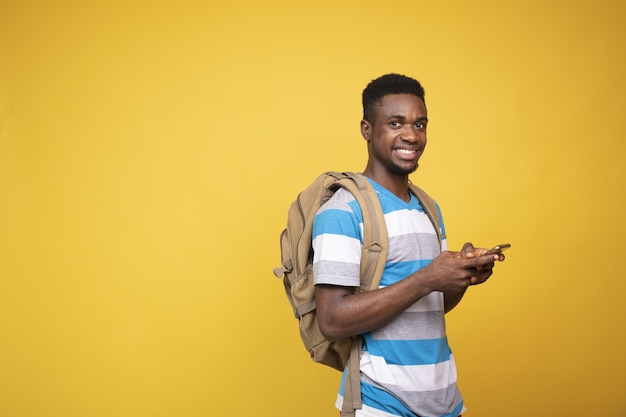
396 184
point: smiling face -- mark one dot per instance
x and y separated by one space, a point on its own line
396 135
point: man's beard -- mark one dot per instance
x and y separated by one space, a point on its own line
402 171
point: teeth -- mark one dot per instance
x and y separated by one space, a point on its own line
405 151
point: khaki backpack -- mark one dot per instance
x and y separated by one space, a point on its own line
296 268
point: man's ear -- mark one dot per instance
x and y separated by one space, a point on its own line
366 129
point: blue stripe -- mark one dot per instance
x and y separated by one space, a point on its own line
410 352
382 400
441 225
395 272
394 202
337 222
356 208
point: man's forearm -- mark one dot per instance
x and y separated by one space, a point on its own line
343 314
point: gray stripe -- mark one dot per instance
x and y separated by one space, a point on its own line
413 246
414 326
338 201
337 273
426 403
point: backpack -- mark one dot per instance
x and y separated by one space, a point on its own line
296 269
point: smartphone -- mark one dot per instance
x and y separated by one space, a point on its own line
498 249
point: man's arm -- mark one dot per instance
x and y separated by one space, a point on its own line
341 313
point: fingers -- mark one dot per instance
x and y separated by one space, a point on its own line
464 268
484 262
468 250
481 276
482 268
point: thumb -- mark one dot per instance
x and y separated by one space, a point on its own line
468 250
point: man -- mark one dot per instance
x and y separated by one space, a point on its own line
407 368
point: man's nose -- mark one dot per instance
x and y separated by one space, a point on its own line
409 135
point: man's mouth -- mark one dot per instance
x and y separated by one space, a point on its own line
406 153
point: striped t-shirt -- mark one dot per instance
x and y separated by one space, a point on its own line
407 367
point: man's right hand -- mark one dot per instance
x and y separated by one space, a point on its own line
453 272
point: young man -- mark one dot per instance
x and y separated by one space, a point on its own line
407 368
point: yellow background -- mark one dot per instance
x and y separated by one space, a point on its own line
149 152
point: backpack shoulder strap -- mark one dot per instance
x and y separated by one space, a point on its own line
375 238
430 207
373 260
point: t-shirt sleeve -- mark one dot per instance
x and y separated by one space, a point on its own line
337 243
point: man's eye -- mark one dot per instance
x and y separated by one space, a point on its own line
395 124
420 125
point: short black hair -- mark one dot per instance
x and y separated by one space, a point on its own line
388 84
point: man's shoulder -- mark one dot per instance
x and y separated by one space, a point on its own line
342 199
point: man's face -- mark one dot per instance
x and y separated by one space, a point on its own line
396 133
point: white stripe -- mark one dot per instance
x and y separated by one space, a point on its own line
376 368
365 411
410 377
402 222
372 412
337 248
425 377
430 302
